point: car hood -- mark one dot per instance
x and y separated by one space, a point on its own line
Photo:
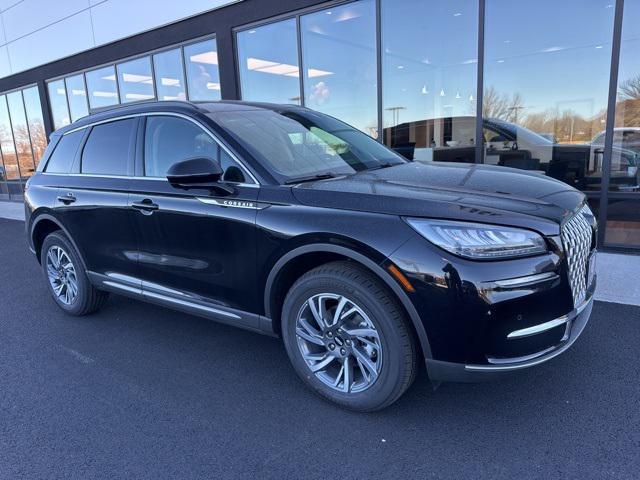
469 192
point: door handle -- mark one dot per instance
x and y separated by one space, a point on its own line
145 206
67 199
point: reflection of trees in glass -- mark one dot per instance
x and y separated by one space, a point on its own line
38 139
23 147
628 106
565 126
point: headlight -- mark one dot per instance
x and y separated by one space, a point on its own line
479 241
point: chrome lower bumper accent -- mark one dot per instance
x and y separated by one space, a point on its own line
543 327
575 323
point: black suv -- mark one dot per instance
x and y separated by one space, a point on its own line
288 222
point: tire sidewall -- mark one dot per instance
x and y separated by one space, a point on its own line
58 239
386 384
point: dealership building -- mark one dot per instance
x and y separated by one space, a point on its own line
547 86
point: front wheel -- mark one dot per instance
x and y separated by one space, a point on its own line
348 338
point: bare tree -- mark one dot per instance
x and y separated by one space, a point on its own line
501 105
630 89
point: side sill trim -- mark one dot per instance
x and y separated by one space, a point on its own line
197 306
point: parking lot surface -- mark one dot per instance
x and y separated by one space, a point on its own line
137 391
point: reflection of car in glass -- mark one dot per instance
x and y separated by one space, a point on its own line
511 145
288 222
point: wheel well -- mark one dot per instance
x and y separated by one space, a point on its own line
300 265
292 271
40 232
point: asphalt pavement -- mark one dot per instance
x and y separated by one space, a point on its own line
137 391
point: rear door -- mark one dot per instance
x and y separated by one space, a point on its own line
196 246
92 202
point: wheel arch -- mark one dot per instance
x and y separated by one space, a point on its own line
274 284
42 226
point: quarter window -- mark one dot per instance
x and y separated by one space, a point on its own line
64 153
171 139
109 148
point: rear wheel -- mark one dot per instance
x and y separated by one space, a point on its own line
348 338
66 278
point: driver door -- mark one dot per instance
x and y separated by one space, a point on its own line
195 246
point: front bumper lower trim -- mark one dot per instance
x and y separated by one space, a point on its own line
576 321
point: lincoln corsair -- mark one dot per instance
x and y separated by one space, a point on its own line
288 222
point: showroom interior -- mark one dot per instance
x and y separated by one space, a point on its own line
437 80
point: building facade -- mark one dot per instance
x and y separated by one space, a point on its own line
551 87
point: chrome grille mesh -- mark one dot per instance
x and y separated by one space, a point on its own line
576 240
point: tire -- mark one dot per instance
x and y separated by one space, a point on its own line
374 313
87 299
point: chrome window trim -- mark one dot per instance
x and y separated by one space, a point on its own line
163 113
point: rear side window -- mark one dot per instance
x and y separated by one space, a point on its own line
109 148
64 153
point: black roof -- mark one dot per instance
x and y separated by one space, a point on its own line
174 106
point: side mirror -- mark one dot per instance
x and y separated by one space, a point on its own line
199 172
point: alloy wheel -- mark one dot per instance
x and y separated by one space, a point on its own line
339 342
62 275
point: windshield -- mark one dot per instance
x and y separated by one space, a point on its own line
303 143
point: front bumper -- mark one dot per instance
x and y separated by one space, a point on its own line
574 324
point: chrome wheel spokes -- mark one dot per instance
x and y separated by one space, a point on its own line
339 343
62 275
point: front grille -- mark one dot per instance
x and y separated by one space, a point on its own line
576 239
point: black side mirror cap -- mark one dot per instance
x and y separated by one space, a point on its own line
198 172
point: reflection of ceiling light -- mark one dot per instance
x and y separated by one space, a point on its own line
252 31
138 96
507 41
442 94
471 98
98 93
60 91
275 68
210 58
134 78
314 72
426 61
598 46
78 92
400 67
328 12
552 49
458 95
111 78
424 90
457 14
470 61
170 82
172 97
213 86
500 61
347 15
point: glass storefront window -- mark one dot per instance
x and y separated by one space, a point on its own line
11 173
77 97
268 63
169 75
58 103
546 80
339 63
35 122
135 80
101 84
21 134
429 78
203 78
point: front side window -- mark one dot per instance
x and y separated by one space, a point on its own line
64 153
303 143
109 148
171 139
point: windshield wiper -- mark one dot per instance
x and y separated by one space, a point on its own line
383 165
310 178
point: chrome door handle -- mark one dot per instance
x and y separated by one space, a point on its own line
67 199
